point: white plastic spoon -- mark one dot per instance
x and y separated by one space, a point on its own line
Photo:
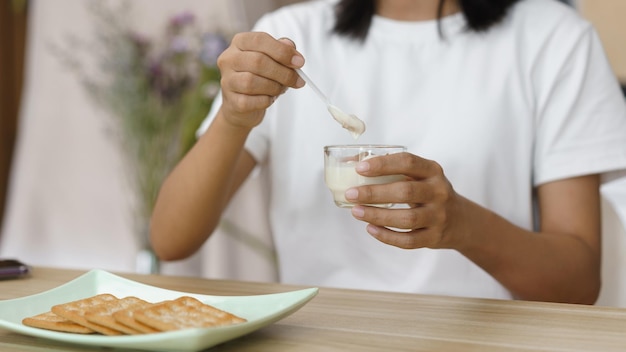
347 121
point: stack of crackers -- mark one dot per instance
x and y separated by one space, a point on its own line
108 315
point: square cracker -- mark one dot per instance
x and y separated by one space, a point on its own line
184 312
51 321
102 314
126 317
76 310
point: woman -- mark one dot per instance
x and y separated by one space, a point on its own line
510 114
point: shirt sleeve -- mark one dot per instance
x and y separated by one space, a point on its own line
581 112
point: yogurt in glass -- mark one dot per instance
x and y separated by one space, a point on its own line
340 174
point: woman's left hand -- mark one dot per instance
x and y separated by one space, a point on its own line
434 208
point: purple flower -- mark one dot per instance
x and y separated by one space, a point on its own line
168 79
182 19
179 45
212 46
155 69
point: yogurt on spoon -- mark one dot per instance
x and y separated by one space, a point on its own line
348 121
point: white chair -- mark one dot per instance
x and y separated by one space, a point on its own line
613 291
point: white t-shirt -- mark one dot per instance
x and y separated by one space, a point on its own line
530 101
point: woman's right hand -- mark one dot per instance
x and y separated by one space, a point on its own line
256 69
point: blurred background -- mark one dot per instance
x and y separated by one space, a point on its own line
66 195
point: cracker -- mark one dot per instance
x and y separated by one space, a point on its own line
51 321
127 317
184 312
76 310
102 314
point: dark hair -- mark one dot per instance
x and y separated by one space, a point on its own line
353 17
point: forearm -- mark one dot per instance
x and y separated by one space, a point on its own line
542 266
193 196
560 263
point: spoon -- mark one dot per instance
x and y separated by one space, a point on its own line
347 121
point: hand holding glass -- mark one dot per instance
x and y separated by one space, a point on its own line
340 174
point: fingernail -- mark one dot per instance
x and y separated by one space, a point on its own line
297 61
352 193
362 166
358 211
372 230
299 83
287 41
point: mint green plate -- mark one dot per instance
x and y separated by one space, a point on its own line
259 310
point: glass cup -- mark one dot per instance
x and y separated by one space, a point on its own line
339 172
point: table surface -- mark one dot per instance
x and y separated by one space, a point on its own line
341 320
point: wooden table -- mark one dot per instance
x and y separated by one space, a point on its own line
352 320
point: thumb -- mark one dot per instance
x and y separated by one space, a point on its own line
287 41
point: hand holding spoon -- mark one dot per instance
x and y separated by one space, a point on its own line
347 121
